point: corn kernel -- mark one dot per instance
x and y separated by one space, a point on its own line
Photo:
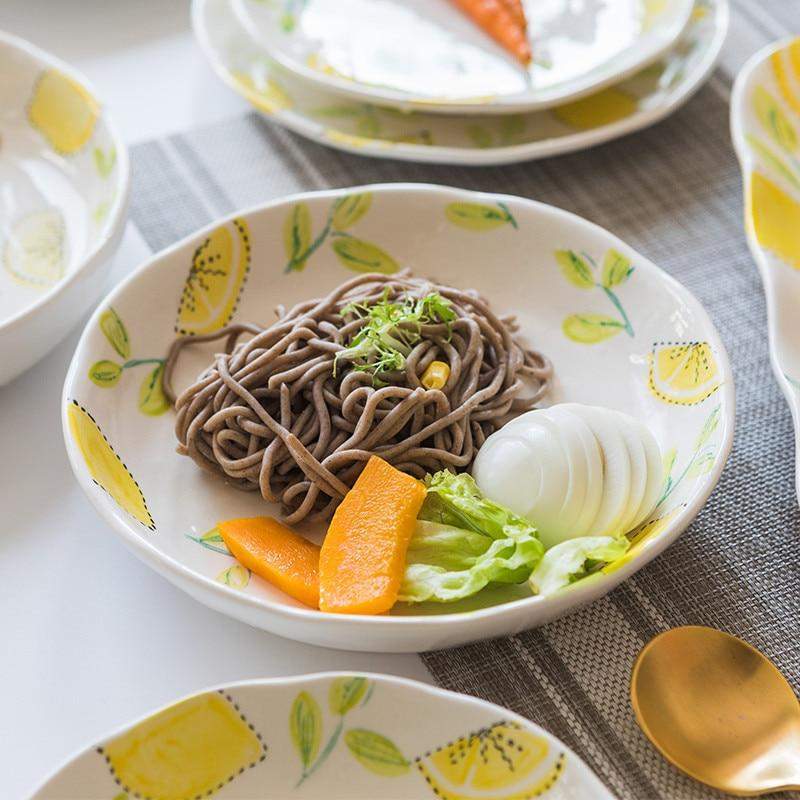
436 375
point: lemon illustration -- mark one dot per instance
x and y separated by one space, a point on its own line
216 279
684 373
105 466
62 111
266 95
498 762
784 62
35 249
602 108
774 218
189 750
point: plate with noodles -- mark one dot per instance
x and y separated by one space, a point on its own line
398 417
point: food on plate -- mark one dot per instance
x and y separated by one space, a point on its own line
363 556
295 410
574 559
463 542
504 21
276 553
573 470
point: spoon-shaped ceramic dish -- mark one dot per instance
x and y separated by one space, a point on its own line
719 710
765 123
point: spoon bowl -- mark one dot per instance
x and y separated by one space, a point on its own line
719 710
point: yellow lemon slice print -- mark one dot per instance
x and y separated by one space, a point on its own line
684 373
189 750
497 762
34 251
774 218
784 63
603 108
62 111
216 279
105 466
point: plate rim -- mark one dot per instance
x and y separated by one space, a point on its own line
403 101
412 684
578 593
474 156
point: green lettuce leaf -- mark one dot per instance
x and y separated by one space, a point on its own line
572 560
463 542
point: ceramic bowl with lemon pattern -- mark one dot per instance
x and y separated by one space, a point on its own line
370 129
620 333
64 174
765 120
327 737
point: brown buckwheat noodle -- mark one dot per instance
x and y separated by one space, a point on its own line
272 414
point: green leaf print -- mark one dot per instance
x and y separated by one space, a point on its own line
349 209
375 752
709 426
152 400
114 330
773 119
591 328
479 216
297 237
479 136
211 540
236 576
575 269
361 256
616 269
346 693
105 373
104 161
305 725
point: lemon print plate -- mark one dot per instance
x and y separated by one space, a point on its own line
330 736
427 54
765 121
620 333
64 175
373 129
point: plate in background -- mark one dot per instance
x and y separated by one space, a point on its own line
370 130
426 54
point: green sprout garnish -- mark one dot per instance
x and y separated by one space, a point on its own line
391 330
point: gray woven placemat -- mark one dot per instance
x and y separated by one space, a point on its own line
674 193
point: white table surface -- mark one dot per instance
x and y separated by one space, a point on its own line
91 637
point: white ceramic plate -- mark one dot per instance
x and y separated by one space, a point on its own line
327 737
64 180
413 54
644 346
765 122
370 130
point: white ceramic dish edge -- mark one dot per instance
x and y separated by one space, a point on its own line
34 330
772 280
399 633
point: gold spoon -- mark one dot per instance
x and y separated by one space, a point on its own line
719 710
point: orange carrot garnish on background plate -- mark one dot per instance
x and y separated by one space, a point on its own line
501 22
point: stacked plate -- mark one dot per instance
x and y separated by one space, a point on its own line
416 80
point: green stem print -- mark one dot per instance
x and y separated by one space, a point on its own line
701 462
354 253
581 270
373 751
211 540
106 373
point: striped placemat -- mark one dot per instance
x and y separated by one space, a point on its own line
674 193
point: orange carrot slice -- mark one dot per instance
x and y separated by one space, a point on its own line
495 17
363 556
517 11
277 554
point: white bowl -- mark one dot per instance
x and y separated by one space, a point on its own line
765 124
65 179
331 736
427 55
506 250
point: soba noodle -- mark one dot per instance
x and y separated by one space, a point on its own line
280 414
